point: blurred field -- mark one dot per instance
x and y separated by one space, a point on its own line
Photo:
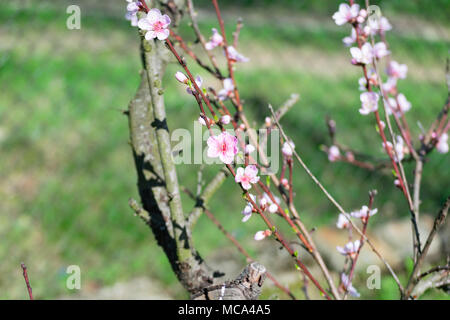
67 171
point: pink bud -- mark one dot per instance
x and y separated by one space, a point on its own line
366 31
363 13
268 121
181 77
360 19
285 182
249 149
262 234
242 127
225 119
273 208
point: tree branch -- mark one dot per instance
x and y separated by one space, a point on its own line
438 222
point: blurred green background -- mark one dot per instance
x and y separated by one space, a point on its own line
67 171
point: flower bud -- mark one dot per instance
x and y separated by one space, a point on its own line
249 149
181 77
366 31
262 234
363 13
225 119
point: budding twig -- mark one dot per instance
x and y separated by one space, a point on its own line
337 205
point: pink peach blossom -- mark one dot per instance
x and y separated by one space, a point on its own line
380 50
398 106
247 176
348 41
442 145
346 13
348 286
396 70
132 10
227 91
333 153
215 40
156 25
225 119
223 146
380 25
390 86
363 55
398 153
342 222
248 210
288 148
235 56
191 89
363 213
350 249
369 102
271 206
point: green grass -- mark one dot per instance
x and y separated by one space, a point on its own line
67 170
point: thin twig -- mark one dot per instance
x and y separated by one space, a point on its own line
27 281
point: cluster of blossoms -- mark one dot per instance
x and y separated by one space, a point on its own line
351 249
399 151
216 40
182 78
265 203
364 55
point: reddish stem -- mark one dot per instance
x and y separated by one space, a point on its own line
27 281
229 62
